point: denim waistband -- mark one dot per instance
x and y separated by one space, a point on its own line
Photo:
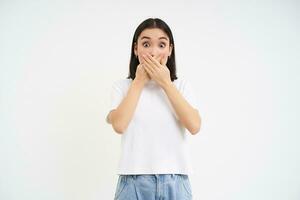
153 177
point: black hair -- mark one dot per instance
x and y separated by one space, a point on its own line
148 24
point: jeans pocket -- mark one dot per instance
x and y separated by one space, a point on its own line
120 186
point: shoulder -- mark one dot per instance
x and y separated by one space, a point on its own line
122 82
185 86
181 83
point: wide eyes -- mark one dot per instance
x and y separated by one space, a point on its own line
162 45
147 44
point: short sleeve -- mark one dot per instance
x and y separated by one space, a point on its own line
116 96
190 95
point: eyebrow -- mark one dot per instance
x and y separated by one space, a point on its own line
146 37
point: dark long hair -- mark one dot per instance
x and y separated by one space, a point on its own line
152 23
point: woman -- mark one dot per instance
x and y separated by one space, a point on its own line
151 109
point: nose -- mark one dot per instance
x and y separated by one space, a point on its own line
153 52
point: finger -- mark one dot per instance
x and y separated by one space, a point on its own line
149 62
158 58
138 67
146 64
147 58
148 70
154 61
143 67
142 60
161 59
151 68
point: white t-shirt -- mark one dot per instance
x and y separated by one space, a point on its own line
155 142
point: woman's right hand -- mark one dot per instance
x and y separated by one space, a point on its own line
141 75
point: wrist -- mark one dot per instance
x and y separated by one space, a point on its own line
138 82
167 85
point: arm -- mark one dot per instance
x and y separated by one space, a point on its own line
187 115
122 115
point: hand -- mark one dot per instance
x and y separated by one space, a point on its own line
157 69
141 74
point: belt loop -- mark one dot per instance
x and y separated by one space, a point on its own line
128 178
180 177
134 176
125 178
156 176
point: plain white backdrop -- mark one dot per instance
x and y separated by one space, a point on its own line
58 60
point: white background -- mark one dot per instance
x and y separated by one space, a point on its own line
58 60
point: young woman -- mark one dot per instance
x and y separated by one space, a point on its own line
152 109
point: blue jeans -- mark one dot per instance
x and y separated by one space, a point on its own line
153 187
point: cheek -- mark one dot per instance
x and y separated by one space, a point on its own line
165 56
164 53
140 53
143 51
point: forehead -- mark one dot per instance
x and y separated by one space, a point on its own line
154 34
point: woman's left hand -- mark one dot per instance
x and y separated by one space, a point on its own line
157 69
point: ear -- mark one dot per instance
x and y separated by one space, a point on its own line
170 49
135 49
